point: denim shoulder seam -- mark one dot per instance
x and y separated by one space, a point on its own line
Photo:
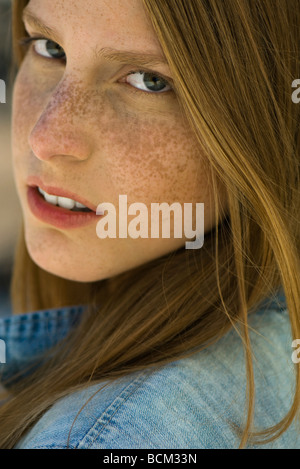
106 417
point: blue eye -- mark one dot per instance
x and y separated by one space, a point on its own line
49 49
44 47
148 81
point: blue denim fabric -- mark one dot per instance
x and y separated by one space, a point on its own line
188 404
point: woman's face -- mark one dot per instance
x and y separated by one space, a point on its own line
93 120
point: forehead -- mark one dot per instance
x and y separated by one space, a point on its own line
112 23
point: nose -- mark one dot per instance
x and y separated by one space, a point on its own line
60 129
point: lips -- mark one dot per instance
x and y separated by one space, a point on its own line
55 215
50 189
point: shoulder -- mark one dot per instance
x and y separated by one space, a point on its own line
162 408
189 403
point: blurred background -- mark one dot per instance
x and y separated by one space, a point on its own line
10 212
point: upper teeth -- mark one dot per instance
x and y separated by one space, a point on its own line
64 202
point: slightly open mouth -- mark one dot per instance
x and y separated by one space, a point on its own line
62 202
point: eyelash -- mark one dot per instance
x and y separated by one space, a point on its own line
29 40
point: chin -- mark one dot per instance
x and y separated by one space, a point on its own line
71 266
56 254
68 272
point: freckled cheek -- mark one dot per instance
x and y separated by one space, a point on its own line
20 126
155 161
28 98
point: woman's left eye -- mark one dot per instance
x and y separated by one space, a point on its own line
148 81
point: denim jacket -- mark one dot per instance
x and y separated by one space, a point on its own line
191 403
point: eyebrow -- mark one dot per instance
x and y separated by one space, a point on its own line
35 22
107 53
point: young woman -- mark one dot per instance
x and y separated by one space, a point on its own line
136 341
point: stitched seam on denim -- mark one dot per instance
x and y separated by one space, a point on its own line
11 326
112 409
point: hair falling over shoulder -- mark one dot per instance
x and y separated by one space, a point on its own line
233 64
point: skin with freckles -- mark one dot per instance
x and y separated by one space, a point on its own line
80 123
